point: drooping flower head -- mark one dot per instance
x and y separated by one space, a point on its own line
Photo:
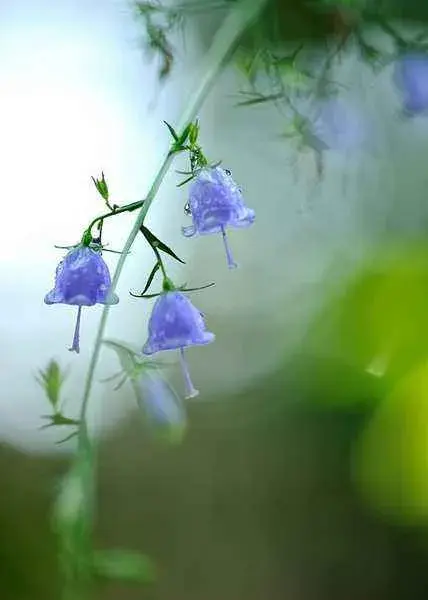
216 203
340 125
82 279
161 404
334 125
411 77
176 324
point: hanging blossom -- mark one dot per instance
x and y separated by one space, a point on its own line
411 77
334 124
215 204
175 324
82 279
159 401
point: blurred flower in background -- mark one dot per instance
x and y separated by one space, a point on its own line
161 404
377 327
411 76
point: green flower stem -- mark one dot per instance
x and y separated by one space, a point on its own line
241 15
116 211
236 22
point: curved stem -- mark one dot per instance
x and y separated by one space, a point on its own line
116 211
234 25
236 22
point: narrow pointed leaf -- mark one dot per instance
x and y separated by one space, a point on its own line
156 243
172 131
259 99
58 419
151 276
51 380
68 437
185 134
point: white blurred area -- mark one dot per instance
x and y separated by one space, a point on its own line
78 95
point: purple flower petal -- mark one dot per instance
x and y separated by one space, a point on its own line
82 279
159 401
411 76
338 125
216 202
175 323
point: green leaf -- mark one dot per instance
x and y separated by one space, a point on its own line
58 419
51 380
194 133
130 360
185 134
172 131
151 277
258 98
156 243
123 565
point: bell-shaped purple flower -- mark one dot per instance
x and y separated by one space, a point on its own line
216 203
337 125
160 402
411 76
82 279
176 324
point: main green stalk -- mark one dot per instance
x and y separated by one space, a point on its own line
241 15
237 21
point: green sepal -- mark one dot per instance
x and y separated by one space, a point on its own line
146 296
194 132
101 185
151 277
86 238
202 287
185 181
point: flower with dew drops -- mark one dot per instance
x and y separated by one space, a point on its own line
82 279
216 203
176 324
411 77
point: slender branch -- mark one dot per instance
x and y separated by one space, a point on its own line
234 25
243 13
116 211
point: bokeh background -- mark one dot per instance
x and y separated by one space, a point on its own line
304 471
